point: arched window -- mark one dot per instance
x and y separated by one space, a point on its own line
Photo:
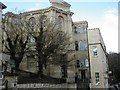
43 21
60 22
32 22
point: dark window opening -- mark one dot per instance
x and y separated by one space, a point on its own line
83 77
78 64
76 45
64 71
75 30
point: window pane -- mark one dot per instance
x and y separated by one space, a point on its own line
97 78
86 63
95 51
83 45
82 63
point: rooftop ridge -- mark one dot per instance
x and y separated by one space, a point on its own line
60 2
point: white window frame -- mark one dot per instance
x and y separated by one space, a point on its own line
97 78
95 51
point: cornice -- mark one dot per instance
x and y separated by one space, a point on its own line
3 6
80 23
46 10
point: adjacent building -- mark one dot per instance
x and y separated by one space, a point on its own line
98 59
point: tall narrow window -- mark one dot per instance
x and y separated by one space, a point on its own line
97 78
64 71
76 45
78 63
44 20
83 77
75 30
86 63
32 23
60 22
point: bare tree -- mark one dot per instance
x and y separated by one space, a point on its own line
16 38
51 44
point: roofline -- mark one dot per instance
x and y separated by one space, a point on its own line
3 6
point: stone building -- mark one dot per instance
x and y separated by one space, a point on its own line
89 67
98 59
2 6
81 53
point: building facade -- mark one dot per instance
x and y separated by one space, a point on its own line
2 6
89 67
98 59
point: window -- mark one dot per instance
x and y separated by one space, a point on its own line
60 22
83 75
86 63
95 51
97 78
78 63
75 30
76 45
64 71
44 20
32 23
31 40
83 45
82 63
79 30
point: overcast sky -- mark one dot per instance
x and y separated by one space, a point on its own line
102 14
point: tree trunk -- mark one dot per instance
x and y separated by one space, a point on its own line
40 66
17 64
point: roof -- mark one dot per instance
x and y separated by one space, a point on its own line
3 6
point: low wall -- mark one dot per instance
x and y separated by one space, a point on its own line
40 85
